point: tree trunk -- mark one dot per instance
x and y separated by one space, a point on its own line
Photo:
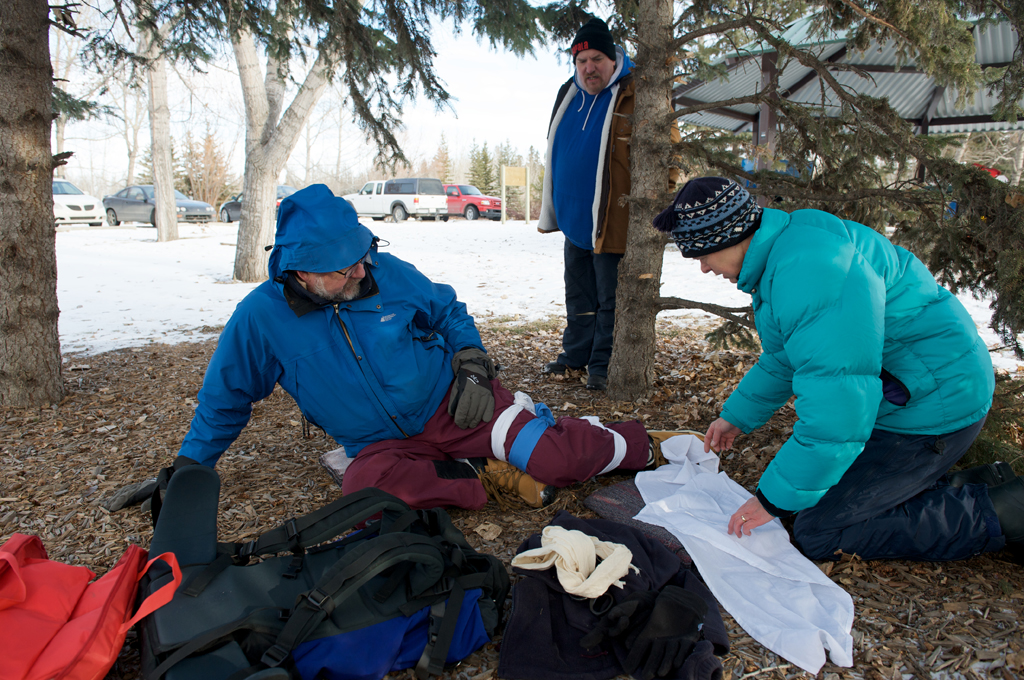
30 361
268 144
1018 161
959 155
59 124
631 373
165 210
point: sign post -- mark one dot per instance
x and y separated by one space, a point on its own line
515 177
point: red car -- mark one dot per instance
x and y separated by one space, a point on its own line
466 200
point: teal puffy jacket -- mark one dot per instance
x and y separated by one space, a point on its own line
835 303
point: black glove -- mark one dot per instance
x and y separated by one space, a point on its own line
631 613
669 635
472 398
144 492
130 495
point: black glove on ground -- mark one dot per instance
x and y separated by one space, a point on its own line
130 495
631 613
669 635
472 397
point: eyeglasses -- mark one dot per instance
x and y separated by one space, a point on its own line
365 259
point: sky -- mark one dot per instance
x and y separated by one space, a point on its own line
498 97
118 287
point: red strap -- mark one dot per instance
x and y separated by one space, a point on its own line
12 586
160 597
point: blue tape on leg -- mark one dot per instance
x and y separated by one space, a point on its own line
526 440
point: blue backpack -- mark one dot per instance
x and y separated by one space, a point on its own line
406 591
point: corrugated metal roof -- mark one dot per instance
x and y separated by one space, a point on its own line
909 92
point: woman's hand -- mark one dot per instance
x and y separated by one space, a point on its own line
720 436
750 516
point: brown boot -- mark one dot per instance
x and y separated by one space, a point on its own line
501 479
657 437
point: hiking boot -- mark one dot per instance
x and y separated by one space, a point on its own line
500 479
1008 500
555 368
597 382
992 474
655 458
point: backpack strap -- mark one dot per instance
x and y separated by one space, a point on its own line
343 579
250 621
444 619
297 534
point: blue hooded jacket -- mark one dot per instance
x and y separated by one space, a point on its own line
373 368
577 151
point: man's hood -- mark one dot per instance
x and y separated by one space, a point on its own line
623 66
317 232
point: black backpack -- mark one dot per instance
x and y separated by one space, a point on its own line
405 591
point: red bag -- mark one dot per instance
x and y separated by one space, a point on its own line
55 624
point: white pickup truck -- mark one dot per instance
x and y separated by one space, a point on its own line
401 198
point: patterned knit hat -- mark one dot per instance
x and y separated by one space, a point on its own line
709 214
593 35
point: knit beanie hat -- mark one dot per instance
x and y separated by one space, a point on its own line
709 214
593 35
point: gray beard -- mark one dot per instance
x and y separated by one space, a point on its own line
341 296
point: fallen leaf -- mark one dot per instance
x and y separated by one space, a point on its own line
488 531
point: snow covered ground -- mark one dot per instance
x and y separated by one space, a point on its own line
117 287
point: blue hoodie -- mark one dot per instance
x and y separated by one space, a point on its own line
374 368
577 156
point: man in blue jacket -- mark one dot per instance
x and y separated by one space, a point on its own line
586 173
892 384
392 367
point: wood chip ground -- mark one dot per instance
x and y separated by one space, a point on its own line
126 412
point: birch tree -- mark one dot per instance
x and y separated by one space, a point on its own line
165 213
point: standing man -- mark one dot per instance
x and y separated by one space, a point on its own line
892 384
586 173
391 366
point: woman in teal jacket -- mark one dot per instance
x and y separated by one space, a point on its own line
892 383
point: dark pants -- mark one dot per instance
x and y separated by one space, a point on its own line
590 281
895 503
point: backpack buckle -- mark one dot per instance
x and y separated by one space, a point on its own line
247 549
320 600
274 656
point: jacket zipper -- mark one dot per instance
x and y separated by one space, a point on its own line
344 329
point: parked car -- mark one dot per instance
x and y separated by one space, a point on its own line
466 200
231 209
73 206
421 197
137 204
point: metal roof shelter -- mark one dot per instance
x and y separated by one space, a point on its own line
914 95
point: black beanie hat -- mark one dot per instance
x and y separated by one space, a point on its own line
709 214
593 35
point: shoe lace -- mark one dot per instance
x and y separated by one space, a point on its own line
501 484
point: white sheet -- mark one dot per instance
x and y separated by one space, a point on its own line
779 597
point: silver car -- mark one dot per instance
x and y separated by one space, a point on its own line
137 204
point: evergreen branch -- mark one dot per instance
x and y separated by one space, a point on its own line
729 313
723 103
874 19
736 24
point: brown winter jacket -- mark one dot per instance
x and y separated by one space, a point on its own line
616 182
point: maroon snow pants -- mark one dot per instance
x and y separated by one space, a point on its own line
571 451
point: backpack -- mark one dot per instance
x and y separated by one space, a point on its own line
405 591
54 623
